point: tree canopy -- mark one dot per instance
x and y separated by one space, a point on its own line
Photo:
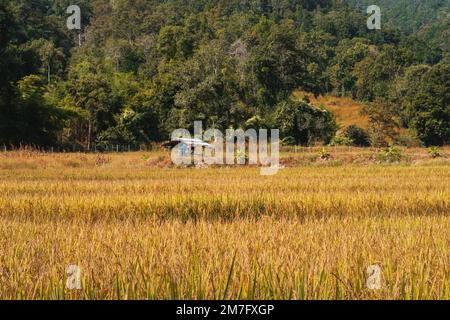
139 69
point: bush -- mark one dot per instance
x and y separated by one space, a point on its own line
391 154
407 141
341 141
288 141
377 138
324 154
357 135
435 152
305 123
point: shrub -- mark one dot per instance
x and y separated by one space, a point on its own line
435 152
408 141
341 141
324 154
305 123
288 141
357 135
391 154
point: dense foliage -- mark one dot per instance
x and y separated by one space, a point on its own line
139 69
426 19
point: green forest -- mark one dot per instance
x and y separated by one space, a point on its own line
138 69
428 20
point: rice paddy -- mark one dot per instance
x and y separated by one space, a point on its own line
142 231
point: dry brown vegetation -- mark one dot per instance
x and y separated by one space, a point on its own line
346 110
140 230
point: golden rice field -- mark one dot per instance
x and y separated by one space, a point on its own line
142 231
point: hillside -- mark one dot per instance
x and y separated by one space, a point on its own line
428 19
346 110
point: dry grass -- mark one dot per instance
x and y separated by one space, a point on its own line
139 231
346 110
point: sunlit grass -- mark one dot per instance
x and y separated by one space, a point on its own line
141 232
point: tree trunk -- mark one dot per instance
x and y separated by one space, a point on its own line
48 71
89 135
